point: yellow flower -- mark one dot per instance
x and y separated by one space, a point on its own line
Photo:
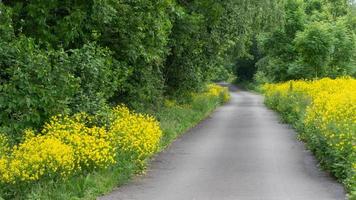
92 146
218 91
4 145
36 157
330 113
136 135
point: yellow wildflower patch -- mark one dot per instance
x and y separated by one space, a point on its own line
92 146
218 91
328 119
70 145
136 135
4 145
37 157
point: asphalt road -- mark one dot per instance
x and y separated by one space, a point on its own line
241 152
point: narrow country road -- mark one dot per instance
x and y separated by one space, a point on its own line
241 152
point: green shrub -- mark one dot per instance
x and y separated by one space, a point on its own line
100 77
34 84
6 29
135 32
314 47
37 84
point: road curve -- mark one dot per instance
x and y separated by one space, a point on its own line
241 152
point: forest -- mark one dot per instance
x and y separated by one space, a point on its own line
75 71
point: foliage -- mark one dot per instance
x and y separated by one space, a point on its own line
184 71
324 112
343 56
314 47
6 29
100 77
221 73
78 56
4 144
277 45
245 68
37 84
136 32
207 34
316 40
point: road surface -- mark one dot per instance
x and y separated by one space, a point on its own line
240 152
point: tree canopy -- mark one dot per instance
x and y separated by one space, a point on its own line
317 39
70 56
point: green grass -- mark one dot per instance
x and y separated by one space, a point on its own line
178 119
175 121
84 187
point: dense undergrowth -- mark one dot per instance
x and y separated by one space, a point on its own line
83 156
324 113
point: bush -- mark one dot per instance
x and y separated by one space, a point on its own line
344 44
37 84
324 112
100 77
34 85
260 78
6 29
4 144
136 32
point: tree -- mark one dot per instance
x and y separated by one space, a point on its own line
317 39
314 47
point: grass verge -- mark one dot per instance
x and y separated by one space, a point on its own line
175 119
323 113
